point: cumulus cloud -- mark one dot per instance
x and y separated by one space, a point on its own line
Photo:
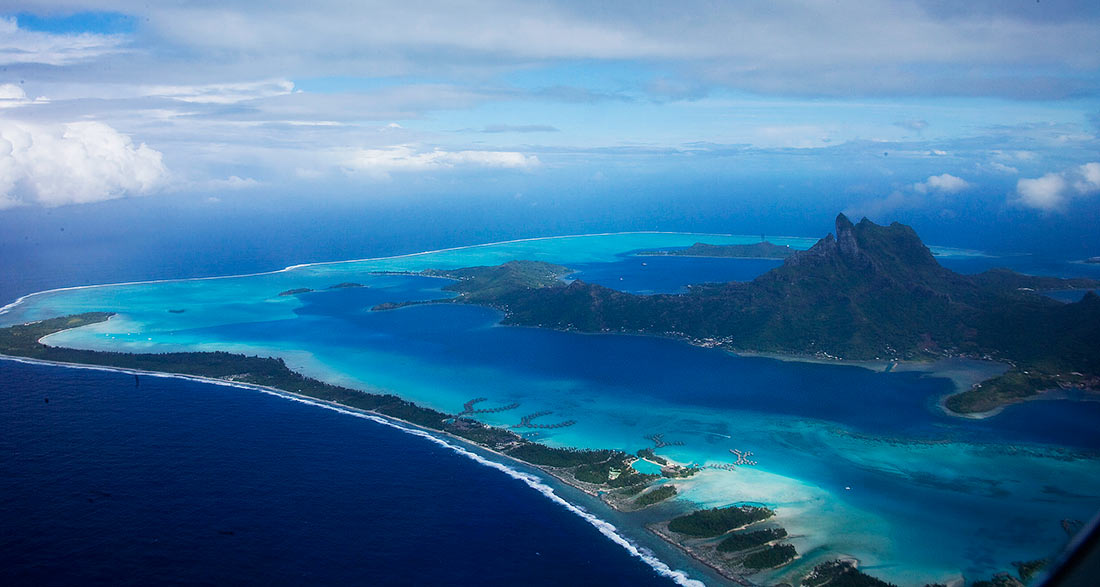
1053 191
12 96
1088 180
942 184
23 46
380 162
932 192
73 163
1002 168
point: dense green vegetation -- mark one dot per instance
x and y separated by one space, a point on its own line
1013 386
746 540
659 494
871 292
595 473
841 574
679 472
540 454
295 291
345 285
484 284
770 557
718 521
761 250
631 478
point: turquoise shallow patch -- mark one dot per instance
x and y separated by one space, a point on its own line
646 467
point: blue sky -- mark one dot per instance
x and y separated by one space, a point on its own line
901 108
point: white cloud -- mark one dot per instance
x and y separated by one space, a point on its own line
73 163
233 183
1053 191
943 184
1089 180
11 96
1044 193
924 194
380 162
1001 167
23 46
870 47
228 93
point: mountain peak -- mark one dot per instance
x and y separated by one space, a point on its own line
866 248
843 224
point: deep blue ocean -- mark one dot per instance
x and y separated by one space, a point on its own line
179 482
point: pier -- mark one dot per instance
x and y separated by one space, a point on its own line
659 442
469 410
743 457
525 422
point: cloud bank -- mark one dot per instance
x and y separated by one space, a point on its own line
73 163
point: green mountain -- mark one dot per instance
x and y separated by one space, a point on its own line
869 292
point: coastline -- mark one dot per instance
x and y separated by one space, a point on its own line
963 373
452 442
1052 394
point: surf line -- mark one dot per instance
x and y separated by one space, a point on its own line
604 527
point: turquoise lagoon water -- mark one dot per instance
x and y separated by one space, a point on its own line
856 463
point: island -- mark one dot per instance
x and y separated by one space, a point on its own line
345 285
295 291
760 250
870 292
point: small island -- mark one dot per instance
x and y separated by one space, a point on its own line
760 250
295 291
345 285
718 521
656 495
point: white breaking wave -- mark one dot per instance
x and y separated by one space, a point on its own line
604 527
